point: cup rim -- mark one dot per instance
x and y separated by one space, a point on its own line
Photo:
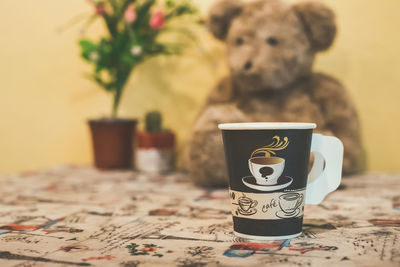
282 196
283 160
247 198
266 125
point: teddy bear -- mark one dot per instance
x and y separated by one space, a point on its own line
271 47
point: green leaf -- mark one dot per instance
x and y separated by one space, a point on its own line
87 44
170 3
143 14
106 86
182 9
98 67
87 48
128 59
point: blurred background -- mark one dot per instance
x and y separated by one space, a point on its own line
46 99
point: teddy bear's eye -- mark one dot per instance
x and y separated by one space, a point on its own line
272 41
239 41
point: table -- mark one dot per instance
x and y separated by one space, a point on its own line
80 216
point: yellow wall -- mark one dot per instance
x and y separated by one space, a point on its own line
45 99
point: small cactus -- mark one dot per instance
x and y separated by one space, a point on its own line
153 122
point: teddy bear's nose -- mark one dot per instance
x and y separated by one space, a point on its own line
248 65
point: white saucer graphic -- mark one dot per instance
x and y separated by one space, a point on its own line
283 181
284 215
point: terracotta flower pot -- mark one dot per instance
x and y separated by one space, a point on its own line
155 153
113 142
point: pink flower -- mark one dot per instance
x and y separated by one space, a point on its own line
157 20
130 14
99 8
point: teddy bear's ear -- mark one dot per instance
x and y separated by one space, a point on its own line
221 16
319 23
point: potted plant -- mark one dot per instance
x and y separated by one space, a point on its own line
155 153
133 28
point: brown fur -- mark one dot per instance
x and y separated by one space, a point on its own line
271 48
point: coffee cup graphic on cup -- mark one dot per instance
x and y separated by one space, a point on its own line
290 202
246 204
265 170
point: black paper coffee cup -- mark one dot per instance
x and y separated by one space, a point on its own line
268 171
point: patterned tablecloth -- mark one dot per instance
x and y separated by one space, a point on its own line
78 216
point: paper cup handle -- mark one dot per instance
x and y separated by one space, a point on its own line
328 151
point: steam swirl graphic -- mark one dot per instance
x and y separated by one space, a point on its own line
277 144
